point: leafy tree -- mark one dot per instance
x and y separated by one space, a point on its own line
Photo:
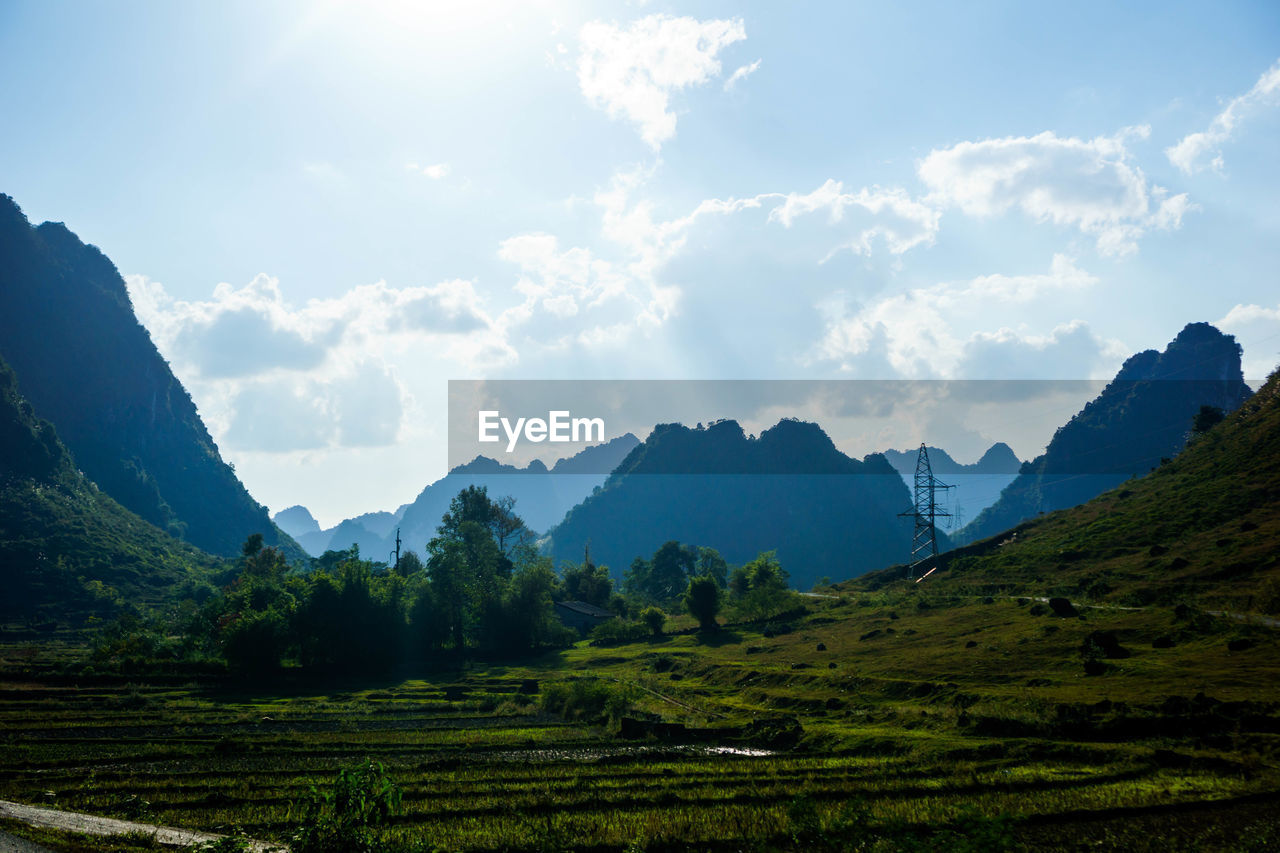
760 588
654 619
664 577
250 623
410 564
702 600
528 619
587 582
712 565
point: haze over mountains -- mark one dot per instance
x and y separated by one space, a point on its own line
542 495
977 485
1143 416
68 330
790 490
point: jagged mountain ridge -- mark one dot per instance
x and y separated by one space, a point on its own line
1143 416
542 495
790 490
86 364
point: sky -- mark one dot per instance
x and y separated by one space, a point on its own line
326 211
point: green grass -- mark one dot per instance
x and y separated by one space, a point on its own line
915 724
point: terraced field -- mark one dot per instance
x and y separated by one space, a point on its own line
871 717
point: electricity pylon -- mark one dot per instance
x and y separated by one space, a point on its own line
924 540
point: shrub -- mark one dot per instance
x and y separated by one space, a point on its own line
654 618
590 700
702 600
349 817
618 631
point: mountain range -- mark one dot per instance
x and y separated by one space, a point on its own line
789 490
542 497
1141 418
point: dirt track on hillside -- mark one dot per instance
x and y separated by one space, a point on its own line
94 825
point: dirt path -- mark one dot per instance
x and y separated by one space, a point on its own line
93 825
1257 619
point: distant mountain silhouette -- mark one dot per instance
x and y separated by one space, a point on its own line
66 548
297 521
542 498
790 489
977 485
1143 416
84 362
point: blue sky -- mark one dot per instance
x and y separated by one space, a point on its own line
325 211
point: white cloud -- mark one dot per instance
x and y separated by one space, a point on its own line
916 334
1190 153
1070 351
275 377
741 74
253 330
632 72
889 214
361 407
238 332
435 171
1257 328
1089 184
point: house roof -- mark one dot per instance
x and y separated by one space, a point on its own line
586 609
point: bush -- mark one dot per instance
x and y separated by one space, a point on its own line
349 817
618 631
589 700
702 600
655 619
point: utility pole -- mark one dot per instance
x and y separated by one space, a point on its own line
924 539
396 553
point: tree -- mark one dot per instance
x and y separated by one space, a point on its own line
410 564
509 529
672 565
587 582
712 565
654 619
702 599
759 588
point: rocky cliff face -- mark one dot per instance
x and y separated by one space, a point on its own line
1142 417
85 363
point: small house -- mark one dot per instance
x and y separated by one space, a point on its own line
581 616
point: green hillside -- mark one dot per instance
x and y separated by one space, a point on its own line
85 363
66 548
1201 529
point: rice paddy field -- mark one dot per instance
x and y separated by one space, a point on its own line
879 722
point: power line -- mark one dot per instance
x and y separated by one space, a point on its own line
924 538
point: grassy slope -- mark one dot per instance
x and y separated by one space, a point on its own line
58 531
919 700
1202 528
